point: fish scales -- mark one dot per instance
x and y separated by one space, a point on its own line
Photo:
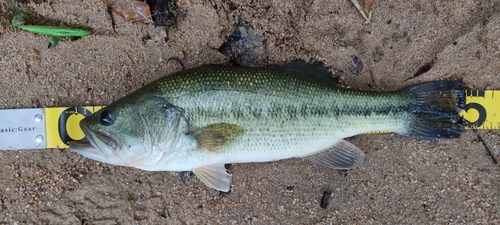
299 110
258 93
202 118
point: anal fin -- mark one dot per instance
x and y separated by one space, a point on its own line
341 156
214 176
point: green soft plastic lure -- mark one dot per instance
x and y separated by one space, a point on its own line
55 32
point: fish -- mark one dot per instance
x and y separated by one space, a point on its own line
205 117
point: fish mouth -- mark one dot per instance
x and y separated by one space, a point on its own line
106 138
86 149
89 146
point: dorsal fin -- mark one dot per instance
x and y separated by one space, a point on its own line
315 71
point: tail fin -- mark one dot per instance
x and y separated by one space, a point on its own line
436 106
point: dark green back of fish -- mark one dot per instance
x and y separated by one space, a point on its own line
302 91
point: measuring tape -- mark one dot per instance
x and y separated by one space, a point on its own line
482 109
43 128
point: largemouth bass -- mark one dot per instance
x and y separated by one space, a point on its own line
202 118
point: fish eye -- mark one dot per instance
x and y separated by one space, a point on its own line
106 117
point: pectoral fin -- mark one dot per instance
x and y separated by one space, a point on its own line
341 156
214 176
215 136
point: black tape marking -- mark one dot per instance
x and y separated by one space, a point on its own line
475 93
63 120
482 114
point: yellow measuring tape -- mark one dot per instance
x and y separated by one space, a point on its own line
482 111
63 124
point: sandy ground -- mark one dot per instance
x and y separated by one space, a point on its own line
402 181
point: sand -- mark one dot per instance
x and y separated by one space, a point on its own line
402 181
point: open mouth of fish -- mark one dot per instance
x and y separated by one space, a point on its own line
88 147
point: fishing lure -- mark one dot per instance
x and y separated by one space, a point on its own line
55 32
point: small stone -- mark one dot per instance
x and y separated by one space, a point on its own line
355 65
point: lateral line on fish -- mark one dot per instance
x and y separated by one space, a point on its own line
482 112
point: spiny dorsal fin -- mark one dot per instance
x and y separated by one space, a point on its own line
214 176
315 71
215 136
341 156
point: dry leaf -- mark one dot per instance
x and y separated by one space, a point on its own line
130 9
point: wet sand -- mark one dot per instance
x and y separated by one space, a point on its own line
402 181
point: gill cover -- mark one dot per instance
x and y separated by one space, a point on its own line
137 132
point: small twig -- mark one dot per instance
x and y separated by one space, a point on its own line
368 5
110 13
325 200
495 161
